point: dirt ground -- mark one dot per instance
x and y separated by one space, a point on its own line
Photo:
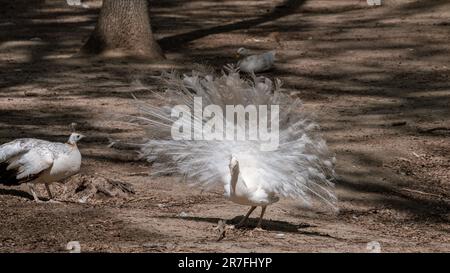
378 80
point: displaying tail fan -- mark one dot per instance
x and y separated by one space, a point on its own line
301 167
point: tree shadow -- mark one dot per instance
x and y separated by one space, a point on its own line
15 192
286 8
389 194
423 5
270 225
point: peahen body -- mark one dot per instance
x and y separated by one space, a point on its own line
36 161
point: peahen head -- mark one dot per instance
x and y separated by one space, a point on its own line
242 52
74 138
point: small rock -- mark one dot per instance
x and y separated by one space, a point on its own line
77 3
374 2
279 235
83 199
182 214
73 247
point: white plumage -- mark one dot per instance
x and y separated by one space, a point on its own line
77 3
255 63
301 167
39 161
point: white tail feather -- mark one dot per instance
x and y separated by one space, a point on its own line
300 168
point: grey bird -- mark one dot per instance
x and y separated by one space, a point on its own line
254 63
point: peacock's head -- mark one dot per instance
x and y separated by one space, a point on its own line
74 138
241 52
234 165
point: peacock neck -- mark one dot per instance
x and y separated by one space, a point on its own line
234 179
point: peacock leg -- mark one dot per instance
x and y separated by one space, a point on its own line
50 195
33 192
246 216
263 210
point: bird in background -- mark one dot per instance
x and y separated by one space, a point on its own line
36 161
254 63
300 168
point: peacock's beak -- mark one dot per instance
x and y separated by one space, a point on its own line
237 55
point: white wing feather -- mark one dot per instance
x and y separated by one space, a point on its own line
28 156
32 162
17 147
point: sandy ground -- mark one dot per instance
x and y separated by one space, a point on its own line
377 79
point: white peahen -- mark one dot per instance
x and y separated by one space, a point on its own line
36 161
300 168
254 63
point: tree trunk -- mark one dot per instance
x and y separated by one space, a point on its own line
123 29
